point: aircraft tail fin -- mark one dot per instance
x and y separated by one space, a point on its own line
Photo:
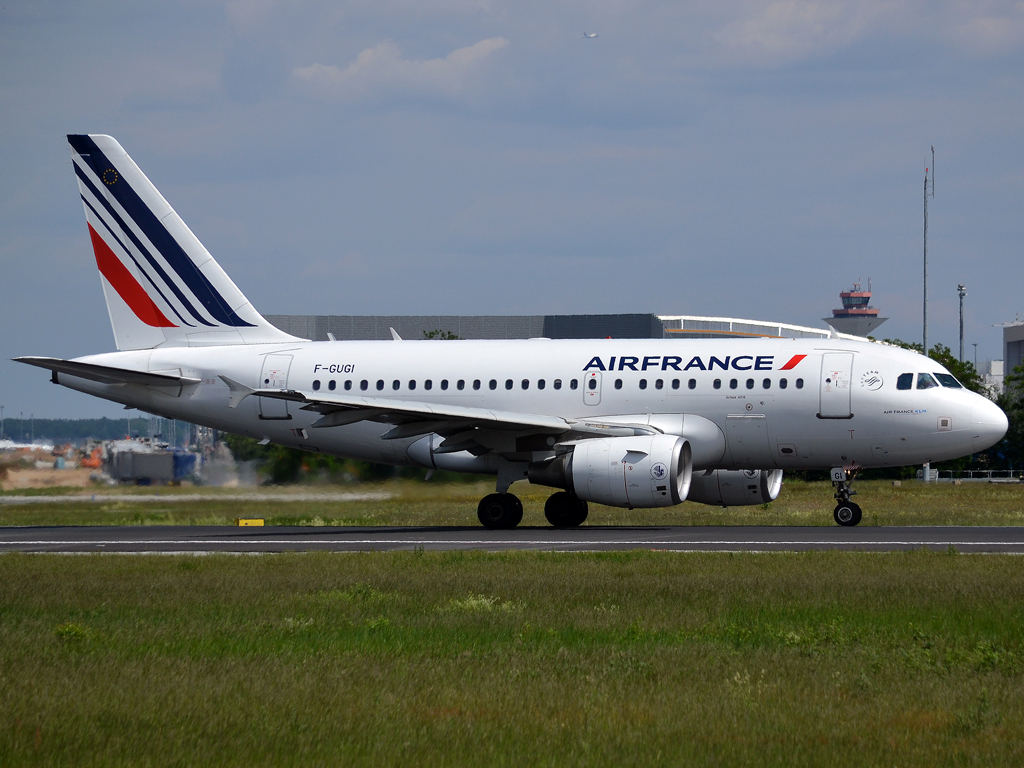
162 287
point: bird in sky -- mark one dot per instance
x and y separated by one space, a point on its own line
590 35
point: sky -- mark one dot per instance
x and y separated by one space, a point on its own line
744 159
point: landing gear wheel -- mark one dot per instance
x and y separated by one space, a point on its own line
564 510
500 511
847 513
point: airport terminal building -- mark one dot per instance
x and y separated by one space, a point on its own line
623 326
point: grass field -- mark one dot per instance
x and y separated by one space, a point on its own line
913 659
412 503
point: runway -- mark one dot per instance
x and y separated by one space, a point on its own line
209 539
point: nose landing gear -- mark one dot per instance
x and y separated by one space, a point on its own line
846 512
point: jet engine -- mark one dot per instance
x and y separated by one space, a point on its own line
639 471
736 488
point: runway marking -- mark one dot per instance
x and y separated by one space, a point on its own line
506 542
152 498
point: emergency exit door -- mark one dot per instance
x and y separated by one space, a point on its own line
275 376
834 388
592 388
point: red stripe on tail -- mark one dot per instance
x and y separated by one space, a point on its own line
127 287
793 362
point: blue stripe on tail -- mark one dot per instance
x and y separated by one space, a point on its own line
158 235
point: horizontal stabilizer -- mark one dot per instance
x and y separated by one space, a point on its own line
106 374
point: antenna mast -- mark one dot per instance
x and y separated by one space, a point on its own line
929 190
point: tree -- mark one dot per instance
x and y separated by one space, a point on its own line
441 335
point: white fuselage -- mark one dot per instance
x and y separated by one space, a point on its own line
837 406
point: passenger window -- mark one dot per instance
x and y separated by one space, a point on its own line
750 383
396 384
348 384
540 383
675 383
364 385
557 384
925 381
476 383
947 380
799 383
766 384
412 383
380 384
526 383
493 383
692 383
733 383
428 384
592 384
717 384
444 384
643 383
316 385
783 383
461 384
905 381
618 384
573 384
659 384
508 383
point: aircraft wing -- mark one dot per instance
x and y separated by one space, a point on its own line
106 374
465 428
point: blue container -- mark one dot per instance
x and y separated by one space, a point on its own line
184 464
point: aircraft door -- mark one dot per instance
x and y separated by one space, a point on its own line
592 388
274 376
834 387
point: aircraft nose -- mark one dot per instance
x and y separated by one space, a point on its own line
988 424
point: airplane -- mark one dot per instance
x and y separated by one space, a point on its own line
636 423
590 35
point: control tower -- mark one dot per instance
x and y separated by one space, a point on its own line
856 317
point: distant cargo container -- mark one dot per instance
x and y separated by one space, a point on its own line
155 467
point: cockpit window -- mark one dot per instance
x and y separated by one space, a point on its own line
947 380
925 381
905 381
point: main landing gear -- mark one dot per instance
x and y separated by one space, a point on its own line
504 510
846 512
565 510
500 510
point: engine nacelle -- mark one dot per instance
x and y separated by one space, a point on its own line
637 472
736 488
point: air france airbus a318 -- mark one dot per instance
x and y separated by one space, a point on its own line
638 423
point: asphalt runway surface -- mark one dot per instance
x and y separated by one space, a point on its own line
208 539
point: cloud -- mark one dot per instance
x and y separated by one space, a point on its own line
991 34
381 71
791 29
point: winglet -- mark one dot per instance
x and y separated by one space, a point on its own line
394 334
239 391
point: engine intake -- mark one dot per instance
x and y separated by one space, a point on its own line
642 471
736 488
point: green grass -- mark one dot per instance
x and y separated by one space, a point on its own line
413 503
911 659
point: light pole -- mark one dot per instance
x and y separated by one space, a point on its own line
1 422
975 345
929 186
961 291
